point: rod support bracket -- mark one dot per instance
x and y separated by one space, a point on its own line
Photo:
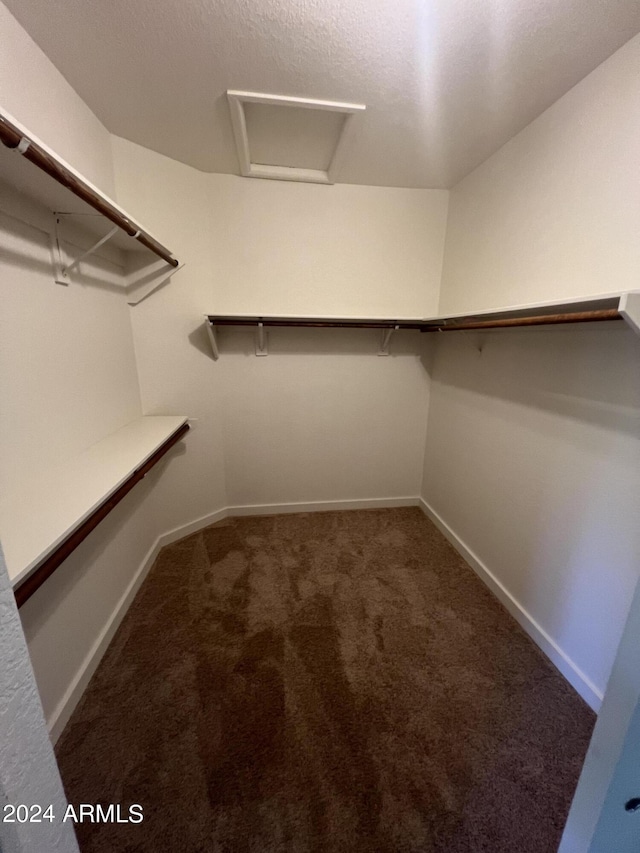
213 338
261 340
162 278
386 340
60 269
57 257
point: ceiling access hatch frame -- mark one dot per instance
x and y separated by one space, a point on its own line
248 169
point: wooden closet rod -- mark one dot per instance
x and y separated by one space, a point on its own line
12 137
34 581
319 323
301 322
444 325
542 320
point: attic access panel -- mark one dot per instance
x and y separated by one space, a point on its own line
290 139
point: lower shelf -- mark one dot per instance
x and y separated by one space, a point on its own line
43 524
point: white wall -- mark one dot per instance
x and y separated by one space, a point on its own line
322 417
343 250
532 458
172 354
533 442
555 212
28 771
597 821
33 91
68 367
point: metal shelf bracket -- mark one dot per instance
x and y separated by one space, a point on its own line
163 278
60 269
261 340
213 339
386 339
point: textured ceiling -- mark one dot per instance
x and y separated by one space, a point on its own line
446 82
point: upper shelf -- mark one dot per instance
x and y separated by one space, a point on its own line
588 309
580 310
62 189
312 321
37 519
621 306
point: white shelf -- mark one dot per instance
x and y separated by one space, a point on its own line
557 306
19 175
624 303
35 520
25 177
608 306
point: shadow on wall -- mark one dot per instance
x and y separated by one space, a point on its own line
27 247
533 444
588 373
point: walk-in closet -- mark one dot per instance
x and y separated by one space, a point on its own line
320 426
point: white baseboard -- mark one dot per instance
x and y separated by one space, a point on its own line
62 712
574 675
192 527
321 506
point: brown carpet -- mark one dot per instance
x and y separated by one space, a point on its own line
336 681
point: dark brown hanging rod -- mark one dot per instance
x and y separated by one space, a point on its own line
508 322
47 567
446 324
12 137
314 323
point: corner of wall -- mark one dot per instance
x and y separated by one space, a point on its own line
28 771
37 94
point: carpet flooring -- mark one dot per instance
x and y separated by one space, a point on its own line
336 681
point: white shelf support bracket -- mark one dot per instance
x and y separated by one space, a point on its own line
60 269
261 340
630 309
57 258
386 340
163 278
213 339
